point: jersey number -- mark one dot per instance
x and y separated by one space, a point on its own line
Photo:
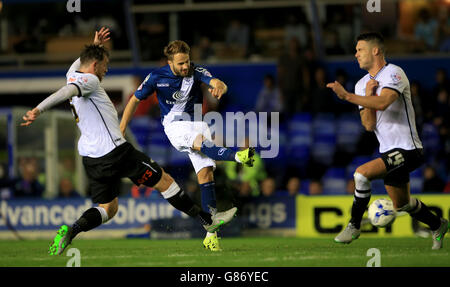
396 158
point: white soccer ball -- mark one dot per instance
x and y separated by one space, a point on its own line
382 212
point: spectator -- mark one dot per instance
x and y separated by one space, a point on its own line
443 31
206 51
291 70
333 46
442 82
66 189
269 97
237 38
148 107
315 187
27 185
416 97
426 29
5 183
293 186
320 96
298 29
341 106
144 192
268 187
441 114
432 182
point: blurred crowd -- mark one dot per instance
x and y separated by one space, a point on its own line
298 89
236 35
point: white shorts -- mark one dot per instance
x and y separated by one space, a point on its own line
182 134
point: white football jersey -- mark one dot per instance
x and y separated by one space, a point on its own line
95 114
396 126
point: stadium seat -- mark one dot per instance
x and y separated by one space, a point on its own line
141 127
300 122
323 149
349 131
355 163
159 151
298 140
334 181
378 187
280 160
178 159
299 148
324 138
324 124
416 181
430 140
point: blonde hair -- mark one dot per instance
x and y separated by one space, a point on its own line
175 47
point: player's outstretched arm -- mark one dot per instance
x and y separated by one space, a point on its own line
54 99
128 113
381 102
30 117
218 88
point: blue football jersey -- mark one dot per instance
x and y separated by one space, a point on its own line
175 94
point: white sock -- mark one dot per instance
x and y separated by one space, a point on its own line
103 213
171 191
236 158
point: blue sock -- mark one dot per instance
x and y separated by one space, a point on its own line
208 195
217 153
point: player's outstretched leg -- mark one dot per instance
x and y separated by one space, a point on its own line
214 152
438 235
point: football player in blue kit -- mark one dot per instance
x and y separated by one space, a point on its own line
178 89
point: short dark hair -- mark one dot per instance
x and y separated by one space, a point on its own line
374 37
176 47
93 52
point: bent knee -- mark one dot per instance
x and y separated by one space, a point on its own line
361 181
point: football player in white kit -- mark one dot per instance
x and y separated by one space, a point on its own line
384 100
107 156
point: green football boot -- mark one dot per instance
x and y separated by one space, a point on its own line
246 156
212 243
438 235
62 239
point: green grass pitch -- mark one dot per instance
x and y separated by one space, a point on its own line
237 252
